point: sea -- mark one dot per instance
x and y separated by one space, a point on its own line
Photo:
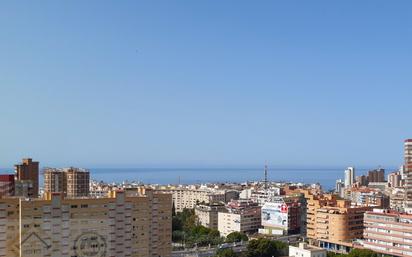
325 176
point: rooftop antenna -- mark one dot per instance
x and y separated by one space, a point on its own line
266 176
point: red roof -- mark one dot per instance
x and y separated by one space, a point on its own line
6 177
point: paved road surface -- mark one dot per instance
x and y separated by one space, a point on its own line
203 252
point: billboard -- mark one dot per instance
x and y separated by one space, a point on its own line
275 214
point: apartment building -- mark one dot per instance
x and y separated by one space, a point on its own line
281 216
397 198
27 178
72 182
240 216
262 196
377 175
207 214
333 223
388 232
337 226
187 198
129 224
315 201
368 196
395 179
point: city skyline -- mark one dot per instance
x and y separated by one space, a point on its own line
205 84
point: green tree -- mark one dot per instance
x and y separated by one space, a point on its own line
263 247
214 233
362 253
176 223
236 237
173 209
228 252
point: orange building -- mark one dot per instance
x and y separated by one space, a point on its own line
334 223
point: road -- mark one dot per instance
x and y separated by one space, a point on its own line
204 252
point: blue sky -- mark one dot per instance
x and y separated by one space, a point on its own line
198 83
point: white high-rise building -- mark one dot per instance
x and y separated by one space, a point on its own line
339 187
408 174
349 176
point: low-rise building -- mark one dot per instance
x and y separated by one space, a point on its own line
305 250
397 199
187 198
262 196
207 214
281 216
240 216
368 196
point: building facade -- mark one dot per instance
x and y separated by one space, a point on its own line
349 176
408 174
388 232
281 216
305 250
187 198
7 185
314 202
395 179
137 224
27 173
207 214
377 175
240 216
341 223
72 182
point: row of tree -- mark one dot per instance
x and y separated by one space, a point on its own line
356 253
188 231
261 247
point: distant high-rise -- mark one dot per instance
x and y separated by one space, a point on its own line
339 187
54 181
377 175
408 173
72 182
362 180
78 182
27 172
349 176
395 179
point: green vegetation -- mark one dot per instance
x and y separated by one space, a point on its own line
187 230
355 253
228 252
236 237
263 247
